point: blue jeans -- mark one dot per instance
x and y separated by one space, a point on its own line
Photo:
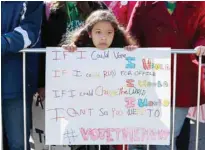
180 115
12 114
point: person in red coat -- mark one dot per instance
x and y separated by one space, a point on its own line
179 25
122 10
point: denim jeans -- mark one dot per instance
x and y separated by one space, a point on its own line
180 115
12 114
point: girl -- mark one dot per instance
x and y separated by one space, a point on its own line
101 30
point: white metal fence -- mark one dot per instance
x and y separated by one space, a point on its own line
175 52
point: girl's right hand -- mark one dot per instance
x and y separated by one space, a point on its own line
71 48
131 47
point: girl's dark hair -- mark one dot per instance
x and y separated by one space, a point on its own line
81 36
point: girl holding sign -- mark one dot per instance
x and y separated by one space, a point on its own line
101 30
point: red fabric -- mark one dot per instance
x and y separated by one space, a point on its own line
122 10
184 29
119 147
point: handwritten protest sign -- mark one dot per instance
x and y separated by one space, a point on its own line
108 97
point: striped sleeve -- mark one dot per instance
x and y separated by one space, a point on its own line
27 33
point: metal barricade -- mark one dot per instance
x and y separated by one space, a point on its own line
174 51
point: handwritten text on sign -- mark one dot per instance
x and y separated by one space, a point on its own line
108 97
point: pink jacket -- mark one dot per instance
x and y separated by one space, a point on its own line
47 9
122 10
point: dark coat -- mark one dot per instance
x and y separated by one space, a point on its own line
184 29
20 26
55 27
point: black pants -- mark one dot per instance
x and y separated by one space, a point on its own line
184 136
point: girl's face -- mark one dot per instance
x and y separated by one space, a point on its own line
102 35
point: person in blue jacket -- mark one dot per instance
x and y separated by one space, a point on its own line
20 28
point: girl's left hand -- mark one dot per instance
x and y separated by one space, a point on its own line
131 47
200 50
71 48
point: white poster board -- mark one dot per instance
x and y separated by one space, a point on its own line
108 97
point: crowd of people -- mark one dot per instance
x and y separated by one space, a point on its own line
123 24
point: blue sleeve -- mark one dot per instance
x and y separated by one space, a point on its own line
28 31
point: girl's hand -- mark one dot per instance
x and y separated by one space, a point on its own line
71 48
200 50
131 47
